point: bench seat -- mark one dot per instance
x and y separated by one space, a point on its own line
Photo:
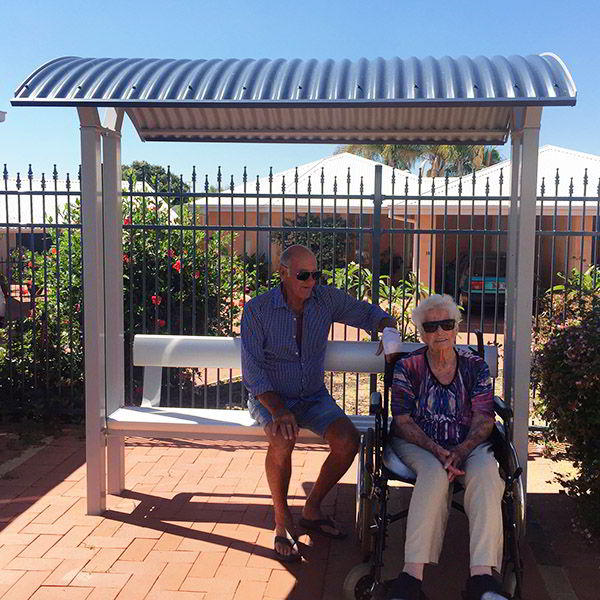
163 422
151 420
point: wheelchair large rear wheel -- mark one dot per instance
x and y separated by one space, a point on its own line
512 565
364 493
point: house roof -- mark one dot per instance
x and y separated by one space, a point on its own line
404 187
445 100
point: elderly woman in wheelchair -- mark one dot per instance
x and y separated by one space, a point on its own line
442 405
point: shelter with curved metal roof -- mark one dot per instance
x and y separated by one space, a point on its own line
437 101
431 100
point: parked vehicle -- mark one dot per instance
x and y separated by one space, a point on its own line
487 280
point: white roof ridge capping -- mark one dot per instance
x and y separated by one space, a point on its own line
317 101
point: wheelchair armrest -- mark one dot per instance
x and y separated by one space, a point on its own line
502 409
375 404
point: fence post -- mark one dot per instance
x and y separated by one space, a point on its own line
376 254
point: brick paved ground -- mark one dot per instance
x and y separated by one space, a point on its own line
194 524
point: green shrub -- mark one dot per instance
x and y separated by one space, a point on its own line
398 300
175 281
566 371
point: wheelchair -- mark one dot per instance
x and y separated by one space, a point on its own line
379 464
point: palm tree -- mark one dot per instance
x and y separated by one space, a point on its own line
442 159
400 157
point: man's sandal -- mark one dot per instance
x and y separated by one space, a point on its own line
289 541
318 524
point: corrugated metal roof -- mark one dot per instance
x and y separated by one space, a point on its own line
459 100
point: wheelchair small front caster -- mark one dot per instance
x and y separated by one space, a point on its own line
359 583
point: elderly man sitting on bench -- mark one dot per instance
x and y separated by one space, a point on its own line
284 336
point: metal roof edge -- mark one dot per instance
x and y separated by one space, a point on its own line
287 104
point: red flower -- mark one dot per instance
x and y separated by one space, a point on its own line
30 264
126 221
29 282
177 265
161 322
53 250
171 253
125 258
156 300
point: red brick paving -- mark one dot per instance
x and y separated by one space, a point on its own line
194 523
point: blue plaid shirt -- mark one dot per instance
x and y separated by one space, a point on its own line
271 361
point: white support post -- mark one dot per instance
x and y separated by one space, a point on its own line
521 313
93 298
113 289
511 256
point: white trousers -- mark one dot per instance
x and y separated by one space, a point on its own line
432 495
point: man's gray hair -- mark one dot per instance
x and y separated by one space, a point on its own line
289 253
439 301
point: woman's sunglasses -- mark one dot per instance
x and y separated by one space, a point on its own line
445 324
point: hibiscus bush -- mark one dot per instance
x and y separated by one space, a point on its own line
176 279
566 371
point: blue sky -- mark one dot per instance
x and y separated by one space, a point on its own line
35 31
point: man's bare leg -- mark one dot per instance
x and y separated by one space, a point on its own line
278 468
344 440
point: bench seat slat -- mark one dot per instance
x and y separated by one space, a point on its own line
140 420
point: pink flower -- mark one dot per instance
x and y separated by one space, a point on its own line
197 275
156 300
177 265
171 253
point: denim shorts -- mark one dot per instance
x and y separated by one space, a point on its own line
316 412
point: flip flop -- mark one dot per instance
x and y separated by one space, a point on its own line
287 540
318 524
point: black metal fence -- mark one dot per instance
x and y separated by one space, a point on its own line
194 252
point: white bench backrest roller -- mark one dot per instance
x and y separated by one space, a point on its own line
210 352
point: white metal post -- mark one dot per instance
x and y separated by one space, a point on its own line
113 289
525 277
511 256
93 298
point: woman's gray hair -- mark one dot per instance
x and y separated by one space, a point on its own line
439 301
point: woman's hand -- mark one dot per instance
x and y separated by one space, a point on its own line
456 457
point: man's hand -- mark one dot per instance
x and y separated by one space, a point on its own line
285 421
390 343
456 457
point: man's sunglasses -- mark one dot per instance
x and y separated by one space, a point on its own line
304 275
445 324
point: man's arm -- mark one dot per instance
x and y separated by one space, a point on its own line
357 313
257 380
387 322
